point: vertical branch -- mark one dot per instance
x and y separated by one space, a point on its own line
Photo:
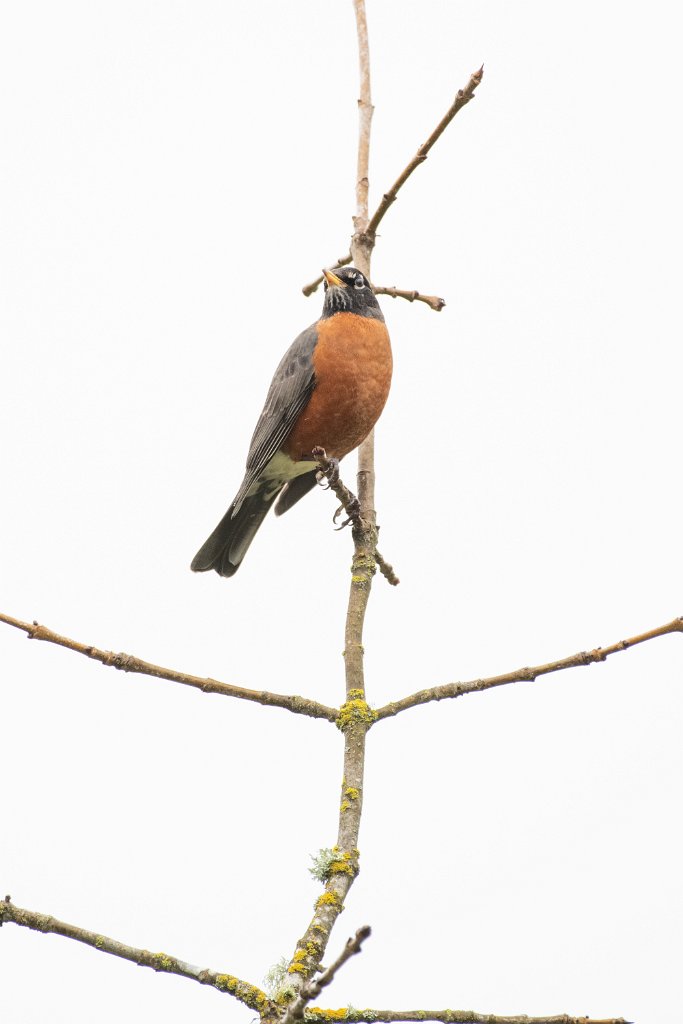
365 110
362 243
355 717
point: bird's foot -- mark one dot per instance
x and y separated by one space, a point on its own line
333 472
328 468
353 510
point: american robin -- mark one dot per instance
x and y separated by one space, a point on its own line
328 391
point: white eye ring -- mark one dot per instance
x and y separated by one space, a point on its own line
358 282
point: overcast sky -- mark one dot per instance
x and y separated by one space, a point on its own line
173 173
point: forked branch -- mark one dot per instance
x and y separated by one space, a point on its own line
313 988
462 98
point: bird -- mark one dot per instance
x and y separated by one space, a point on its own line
328 391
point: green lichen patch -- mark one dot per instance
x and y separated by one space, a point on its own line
248 994
276 980
363 568
321 863
332 1015
346 864
356 711
162 962
328 899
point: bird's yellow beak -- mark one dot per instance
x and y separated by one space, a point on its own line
333 279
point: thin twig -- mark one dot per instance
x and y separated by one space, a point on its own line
317 1015
248 994
313 988
351 505
450 690
433 301
463 97
129 663
387 570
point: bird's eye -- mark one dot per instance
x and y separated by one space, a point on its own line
359 282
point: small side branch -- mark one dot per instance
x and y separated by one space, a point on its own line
129 663
386 569
579 660
349 502
433 301
313 988
248 994
318 1016
462 98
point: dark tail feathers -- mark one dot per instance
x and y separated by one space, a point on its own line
229 542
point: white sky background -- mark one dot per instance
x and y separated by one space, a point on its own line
172 174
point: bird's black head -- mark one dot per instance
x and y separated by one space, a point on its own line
348 291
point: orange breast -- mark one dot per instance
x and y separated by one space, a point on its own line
352 362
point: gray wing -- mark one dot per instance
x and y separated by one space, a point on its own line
290 390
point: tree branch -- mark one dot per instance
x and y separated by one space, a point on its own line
128 663
450 690
355 717
318 1016
386 569
433 301
365 112
351 505
248 994
462 98
313 988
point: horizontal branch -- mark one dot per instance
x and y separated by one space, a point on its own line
463 97
248 994
433 301
450 690
128 663
351 1016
